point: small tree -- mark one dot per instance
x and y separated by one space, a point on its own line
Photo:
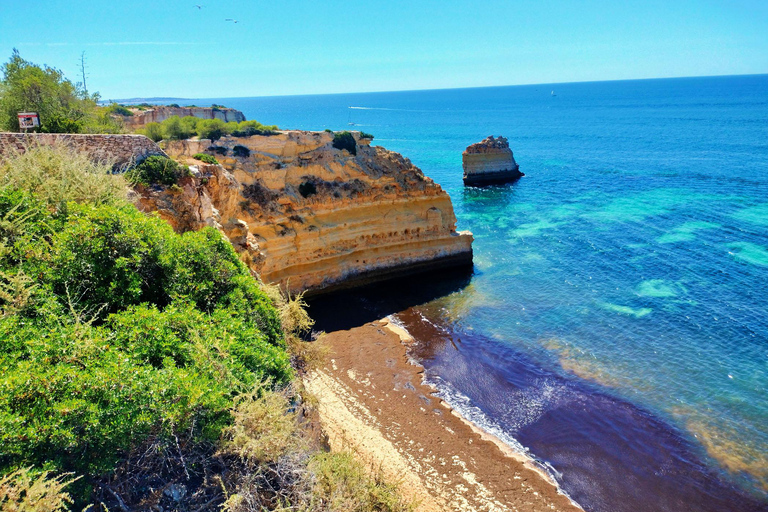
212 129
154 131
64 107
174 129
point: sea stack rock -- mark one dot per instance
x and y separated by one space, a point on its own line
490 161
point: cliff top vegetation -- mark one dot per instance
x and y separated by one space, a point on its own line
63 106
134 358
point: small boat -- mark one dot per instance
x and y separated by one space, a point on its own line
349 118
553 93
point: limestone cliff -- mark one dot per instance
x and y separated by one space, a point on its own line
140 118
489 161
312 217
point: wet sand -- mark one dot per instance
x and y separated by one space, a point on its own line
372 402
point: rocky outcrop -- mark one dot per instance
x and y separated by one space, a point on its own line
140 118
489 161
311 217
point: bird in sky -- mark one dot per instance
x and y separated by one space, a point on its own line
230 19
198 6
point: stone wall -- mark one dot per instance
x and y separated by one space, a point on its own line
121 151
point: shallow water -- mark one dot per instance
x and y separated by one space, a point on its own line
618 306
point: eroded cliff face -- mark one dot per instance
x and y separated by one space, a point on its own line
140 119
311 217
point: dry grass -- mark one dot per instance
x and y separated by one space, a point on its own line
22 491
264 427
306 354
57 174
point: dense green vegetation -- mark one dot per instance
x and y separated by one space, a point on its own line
364 135
205 158
63 106
157 170
345 140
115 328
180 128
133 358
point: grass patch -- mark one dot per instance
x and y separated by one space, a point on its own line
205 158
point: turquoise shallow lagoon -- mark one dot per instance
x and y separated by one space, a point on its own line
631 262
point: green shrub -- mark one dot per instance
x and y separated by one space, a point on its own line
345 140
154 131
131 332
118 109
328 130
248 128
206 158
189 125
212 129
174 129
364 135
221 150
174 105
157 170
241 151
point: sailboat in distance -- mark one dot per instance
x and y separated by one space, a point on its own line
553 93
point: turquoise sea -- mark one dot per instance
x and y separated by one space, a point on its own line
616 323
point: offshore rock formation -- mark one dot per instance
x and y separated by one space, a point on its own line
311 217
489 161
140 118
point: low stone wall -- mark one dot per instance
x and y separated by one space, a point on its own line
121 151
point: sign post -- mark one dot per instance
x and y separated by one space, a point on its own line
28 120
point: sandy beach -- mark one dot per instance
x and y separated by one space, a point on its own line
372 401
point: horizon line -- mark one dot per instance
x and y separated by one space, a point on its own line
445 88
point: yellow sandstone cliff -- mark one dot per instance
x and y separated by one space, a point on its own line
312 217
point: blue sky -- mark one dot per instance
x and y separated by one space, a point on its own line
144 48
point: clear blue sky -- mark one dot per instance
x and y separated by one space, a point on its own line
172 48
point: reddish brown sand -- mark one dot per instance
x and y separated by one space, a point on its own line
372 401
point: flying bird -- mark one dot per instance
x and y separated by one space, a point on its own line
198 6
230 19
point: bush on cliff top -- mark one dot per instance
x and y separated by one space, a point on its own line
114 330
157 170
154 131
345 140
205 158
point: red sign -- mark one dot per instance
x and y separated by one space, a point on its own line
28 120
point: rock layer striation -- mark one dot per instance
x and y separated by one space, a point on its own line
489 161
139 119
312 217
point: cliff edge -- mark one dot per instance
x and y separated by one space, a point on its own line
158 114
312 217
489 161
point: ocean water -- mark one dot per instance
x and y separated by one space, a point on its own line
616 323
